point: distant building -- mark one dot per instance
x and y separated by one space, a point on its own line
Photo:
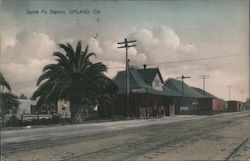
44 109
61 108
25 106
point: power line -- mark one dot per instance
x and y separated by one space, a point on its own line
187 60
198 59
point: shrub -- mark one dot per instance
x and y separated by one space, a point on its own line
13 122
55 119
118 117
93 116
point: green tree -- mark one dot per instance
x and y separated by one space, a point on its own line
8 101
76 78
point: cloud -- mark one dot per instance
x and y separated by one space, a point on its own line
161 43
166 37
30 45
113 67
135 57
7 42
94 46
109 51
8 30
23 60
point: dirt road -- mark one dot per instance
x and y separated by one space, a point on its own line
219 137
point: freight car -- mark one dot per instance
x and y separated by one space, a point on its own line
234 106
210 106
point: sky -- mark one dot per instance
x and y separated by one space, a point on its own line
165 31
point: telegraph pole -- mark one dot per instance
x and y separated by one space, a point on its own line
204 81
242 93
182 82
229 92
126 46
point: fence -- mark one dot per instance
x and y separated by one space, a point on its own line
29 117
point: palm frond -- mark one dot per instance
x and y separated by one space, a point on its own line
62 59
69 51
4 83
78 48
8 101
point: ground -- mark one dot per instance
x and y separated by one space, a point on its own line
217 137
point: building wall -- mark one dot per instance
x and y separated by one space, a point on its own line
44 109
157 84
205 104
25 106
188 105
63 107
170 110
143 106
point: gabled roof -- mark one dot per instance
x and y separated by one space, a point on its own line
176 85
137 83
148 74
204 93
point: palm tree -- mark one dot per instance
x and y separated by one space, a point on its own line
75 78
8 101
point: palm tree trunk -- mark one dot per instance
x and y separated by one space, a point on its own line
3 121
74 109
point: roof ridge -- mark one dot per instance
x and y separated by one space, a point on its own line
188 90
207 94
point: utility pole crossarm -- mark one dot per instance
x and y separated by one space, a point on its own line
131 45
125 42
182 82
126 46
183 77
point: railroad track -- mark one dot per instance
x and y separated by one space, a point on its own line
237 150
27 145
149 144
152 140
